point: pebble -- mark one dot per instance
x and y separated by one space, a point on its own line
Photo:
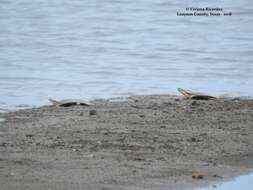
29 135
194 103
198 175
92 112
193 139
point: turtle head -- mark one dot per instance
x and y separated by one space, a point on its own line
54 102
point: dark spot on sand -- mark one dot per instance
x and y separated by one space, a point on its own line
198 175
92 112
193 139
194 103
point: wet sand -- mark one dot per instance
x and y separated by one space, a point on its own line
142 142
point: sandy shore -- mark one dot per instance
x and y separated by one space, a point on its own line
142 142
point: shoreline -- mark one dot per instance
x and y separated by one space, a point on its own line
138 142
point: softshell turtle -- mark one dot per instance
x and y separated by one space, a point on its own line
195 95
69 102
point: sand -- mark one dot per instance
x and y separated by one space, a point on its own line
141 142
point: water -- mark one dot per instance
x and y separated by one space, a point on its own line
98 49
242 182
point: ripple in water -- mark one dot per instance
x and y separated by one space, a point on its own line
101 49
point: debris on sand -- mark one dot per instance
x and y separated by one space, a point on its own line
198 175
92 112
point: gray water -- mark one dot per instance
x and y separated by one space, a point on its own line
97 49
240 183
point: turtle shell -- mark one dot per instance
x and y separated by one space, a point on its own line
70 102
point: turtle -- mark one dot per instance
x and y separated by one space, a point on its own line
195 95
69 102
